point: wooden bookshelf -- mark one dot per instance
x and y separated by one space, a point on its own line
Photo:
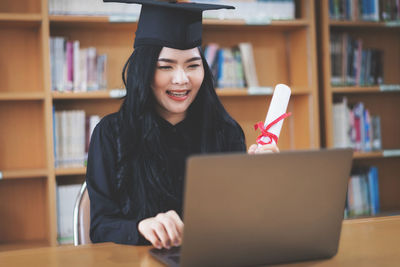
27 187
20 20
70 171
22 96
24 173
362 24
285 52
389 153
365 155
274 65
365 89
378 99
20 17
102 94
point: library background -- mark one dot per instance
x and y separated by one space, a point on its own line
61 64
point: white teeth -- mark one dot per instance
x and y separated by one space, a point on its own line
178 94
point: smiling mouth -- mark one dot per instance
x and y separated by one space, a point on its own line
178 93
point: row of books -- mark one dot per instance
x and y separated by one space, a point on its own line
367 10
355 127
352 64
232 67
66 198
72 131
253 11
249 10
363 193
91 7
74 68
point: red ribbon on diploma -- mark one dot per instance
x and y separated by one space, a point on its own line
264 130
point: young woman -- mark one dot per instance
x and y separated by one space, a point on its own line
137 156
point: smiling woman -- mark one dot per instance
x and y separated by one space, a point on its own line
137 156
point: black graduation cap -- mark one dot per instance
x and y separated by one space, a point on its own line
172 24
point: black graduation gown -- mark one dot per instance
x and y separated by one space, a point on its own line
107 222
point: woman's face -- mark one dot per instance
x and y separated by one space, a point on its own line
177 80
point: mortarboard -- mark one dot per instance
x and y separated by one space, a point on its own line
172 24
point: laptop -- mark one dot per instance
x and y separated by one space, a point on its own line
242 210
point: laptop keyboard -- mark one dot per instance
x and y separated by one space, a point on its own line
174 258
169 256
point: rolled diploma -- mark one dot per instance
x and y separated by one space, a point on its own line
277 108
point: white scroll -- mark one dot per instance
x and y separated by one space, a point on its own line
277 108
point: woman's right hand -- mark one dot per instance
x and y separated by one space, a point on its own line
164 230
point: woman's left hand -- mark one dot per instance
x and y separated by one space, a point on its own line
270 148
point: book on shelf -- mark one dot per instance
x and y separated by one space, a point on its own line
364 10
355 127
341 124
351 64
390 10
249 66
76 69
253 11
232 67
72 137
376 132
66 198
363 193
91 7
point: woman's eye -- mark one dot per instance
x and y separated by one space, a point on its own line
164 67
193 66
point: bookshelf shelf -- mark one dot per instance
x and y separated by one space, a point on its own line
362 89
24 173
223 92
387 153
356 89
80 19
102 94
22 96
20 21
364 24
70 171
232 92
365 155
20 18
360 219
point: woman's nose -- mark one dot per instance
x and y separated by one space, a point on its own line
180 77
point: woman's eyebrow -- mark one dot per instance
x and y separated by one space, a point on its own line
193 59
167 60
174 61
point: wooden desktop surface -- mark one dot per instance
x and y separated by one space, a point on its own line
364 242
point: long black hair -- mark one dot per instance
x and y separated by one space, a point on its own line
141 155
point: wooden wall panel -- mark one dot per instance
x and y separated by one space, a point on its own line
22 135
22 209
20 59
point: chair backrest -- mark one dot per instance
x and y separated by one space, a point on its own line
82 218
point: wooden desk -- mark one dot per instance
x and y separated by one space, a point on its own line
364 242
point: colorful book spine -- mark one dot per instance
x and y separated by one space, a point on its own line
351 64
363 193
76 69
